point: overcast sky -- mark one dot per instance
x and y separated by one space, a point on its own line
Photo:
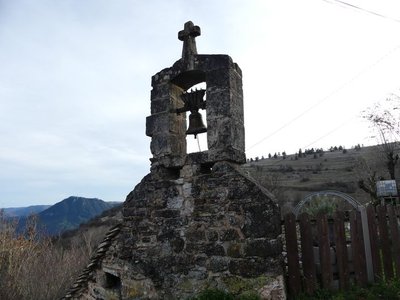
75 81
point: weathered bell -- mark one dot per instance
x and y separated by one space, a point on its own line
196 124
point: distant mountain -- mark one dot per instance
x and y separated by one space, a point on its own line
93 231
24 211
69 214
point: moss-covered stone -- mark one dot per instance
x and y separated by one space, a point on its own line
238 285
186 285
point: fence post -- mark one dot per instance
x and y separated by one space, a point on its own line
373 237
394 232
385 242
324 251
341 251
294 279
357 248
367 243
307 255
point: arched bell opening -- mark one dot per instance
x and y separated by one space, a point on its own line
192 93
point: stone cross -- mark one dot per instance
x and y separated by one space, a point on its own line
188 35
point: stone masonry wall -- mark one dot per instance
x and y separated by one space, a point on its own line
201 229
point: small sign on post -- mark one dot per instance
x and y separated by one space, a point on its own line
386 188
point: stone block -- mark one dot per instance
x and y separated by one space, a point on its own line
195 248
260 220
219 104
198 274
160 106
159 122
230 155
167 234
175 202
212 236
248 267
160 145
229 235
225 134
176 222
167 213
195 235
200 260
214 250
160 91
234 250
211 62
186 171
218 264
177 244
219 78
263 248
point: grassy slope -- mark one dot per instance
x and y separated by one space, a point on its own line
332 171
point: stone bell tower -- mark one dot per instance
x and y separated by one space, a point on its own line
224 106
196 221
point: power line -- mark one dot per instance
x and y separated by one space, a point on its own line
351 80
321 137
363 9
329 133
343 85
281 159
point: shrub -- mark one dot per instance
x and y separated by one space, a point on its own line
32 267
222 295
349 169
213 295
344 187
321 204
305 179
286 168
383 290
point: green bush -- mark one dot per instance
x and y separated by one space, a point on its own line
213 295
321 204
305 179
389 290
222 295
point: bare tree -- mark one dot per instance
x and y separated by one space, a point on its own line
367 179
32 267
384 118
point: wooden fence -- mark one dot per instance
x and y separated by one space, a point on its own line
354 247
